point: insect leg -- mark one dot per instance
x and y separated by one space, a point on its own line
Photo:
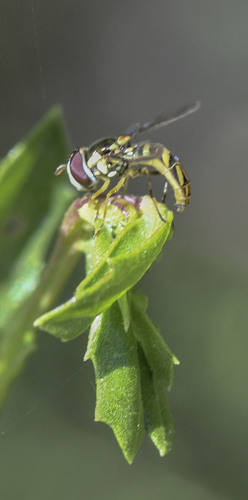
108 195
125 186
101 190
148 173
165 191
140 171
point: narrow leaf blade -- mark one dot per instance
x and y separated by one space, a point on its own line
31 206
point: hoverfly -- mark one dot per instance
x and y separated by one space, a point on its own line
111 158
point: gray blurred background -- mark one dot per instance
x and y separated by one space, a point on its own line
110 64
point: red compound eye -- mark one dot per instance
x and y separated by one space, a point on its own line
77 169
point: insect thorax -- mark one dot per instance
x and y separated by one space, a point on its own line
104 159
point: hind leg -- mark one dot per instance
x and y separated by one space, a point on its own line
148 173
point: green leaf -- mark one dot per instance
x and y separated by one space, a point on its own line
159 357
27 184
118 268
31 205
157 416
130 386
156 368
113 352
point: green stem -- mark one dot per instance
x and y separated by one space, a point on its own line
67 251
62 261
74 239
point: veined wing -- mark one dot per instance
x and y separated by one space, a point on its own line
143 151
162 120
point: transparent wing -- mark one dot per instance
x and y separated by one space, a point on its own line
143 151
162 120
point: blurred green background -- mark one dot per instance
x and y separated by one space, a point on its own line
110 64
